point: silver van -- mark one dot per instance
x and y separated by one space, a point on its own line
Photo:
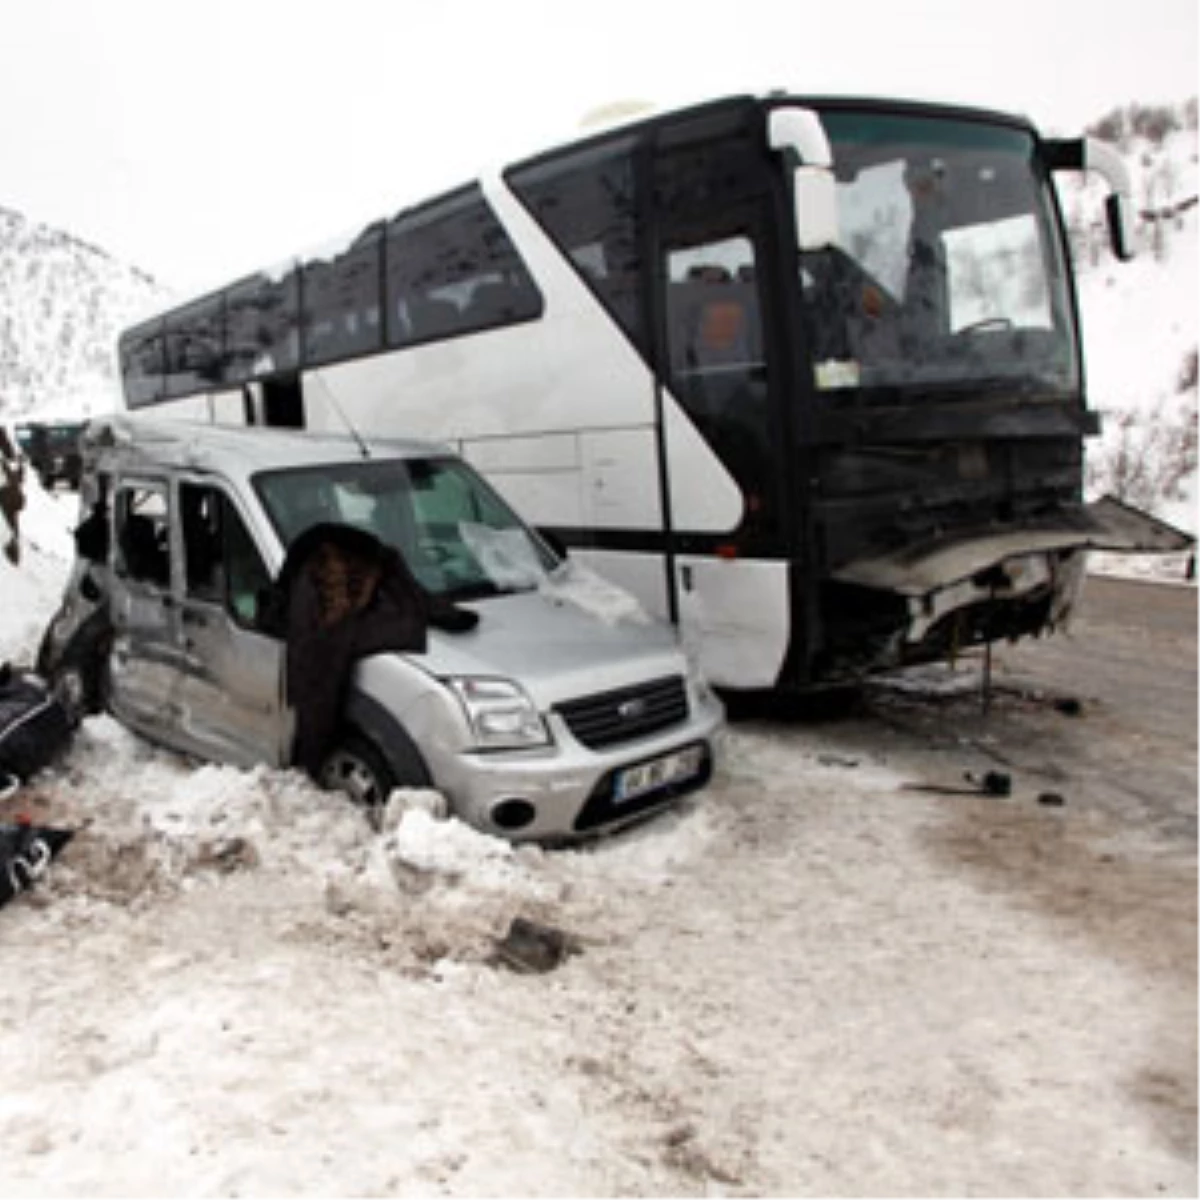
537 707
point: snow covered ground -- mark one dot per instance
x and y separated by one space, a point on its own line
229 985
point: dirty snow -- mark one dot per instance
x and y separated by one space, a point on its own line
229 984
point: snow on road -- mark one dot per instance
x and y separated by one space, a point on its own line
228 984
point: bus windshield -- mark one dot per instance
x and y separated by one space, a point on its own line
457 536
948 272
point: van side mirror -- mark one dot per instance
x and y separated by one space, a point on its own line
800 136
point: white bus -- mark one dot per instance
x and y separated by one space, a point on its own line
802 373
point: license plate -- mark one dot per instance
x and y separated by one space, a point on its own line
650 776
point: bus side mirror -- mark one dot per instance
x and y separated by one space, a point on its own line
814 193
1122 226
800 136
1091 154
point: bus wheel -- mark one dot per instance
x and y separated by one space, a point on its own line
359 770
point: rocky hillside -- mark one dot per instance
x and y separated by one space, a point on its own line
62 305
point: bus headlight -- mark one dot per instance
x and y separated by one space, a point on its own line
501 715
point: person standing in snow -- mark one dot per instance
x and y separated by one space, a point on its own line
12 495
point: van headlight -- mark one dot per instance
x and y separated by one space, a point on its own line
701 688
501 715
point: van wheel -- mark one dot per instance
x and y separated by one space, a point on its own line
359 770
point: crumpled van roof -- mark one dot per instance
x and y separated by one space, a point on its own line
233 450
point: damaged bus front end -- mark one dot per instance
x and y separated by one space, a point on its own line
941 436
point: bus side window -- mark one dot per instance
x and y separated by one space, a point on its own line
340 300
143 363
442 262
587 201
712 308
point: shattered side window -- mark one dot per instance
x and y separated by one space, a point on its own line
143 534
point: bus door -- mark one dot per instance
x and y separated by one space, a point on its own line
719 361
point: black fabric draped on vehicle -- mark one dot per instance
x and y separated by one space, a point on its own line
34 726
342 595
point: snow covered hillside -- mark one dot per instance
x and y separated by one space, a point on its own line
62 305
1141 319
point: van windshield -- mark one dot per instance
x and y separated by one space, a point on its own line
457 536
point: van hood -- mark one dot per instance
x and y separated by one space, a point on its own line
553 648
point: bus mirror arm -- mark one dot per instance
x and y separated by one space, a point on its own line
1091 154
798 134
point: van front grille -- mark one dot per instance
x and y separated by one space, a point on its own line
609 718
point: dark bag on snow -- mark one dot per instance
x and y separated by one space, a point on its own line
33 724
25 853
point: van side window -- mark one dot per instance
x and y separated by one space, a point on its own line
199 511
143 534
222 562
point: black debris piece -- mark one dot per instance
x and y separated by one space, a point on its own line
26 851
992 783
532 948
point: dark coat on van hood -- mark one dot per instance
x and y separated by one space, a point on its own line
342 595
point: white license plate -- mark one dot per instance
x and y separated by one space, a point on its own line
648 777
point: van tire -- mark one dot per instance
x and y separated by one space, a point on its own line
357 768
80 676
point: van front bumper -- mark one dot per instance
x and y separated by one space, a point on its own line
567 792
